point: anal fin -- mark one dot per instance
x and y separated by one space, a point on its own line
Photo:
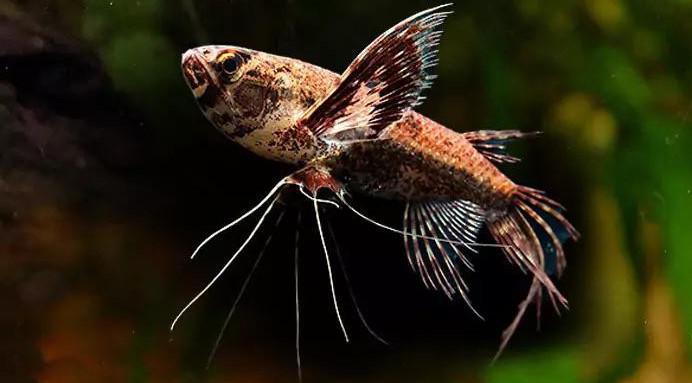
440 232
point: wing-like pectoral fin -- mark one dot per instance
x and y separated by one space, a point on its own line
383 82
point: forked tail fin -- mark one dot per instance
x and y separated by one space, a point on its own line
533 229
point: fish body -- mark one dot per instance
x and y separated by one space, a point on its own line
414 158
358 131
418 159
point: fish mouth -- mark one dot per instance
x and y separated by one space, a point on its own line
196 72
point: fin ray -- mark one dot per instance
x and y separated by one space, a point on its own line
491 143
519 227
444 228
385 80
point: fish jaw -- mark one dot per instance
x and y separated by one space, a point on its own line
196 73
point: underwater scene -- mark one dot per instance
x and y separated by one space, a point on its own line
353 191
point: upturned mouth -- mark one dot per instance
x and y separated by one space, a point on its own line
195 72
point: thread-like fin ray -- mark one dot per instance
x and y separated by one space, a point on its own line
264 200
383 82
342 264
241 292
295 271
329 268
230 261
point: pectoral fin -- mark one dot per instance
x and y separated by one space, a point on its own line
383 82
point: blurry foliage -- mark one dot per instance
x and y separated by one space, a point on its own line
123 33
609 81
547 366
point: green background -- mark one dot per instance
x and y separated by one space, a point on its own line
608 81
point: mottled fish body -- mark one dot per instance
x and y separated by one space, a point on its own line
358 132
417 159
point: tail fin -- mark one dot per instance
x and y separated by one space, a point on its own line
530 230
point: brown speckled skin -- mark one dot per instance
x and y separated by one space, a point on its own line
412 159
257 107
419 159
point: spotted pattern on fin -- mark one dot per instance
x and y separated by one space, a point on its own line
383 82
437 261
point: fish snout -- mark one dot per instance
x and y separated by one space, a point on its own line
196 72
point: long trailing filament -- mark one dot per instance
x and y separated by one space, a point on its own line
242 217
223 269
329 268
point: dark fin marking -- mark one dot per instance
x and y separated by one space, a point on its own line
436 222
520 227
243 287
492 143
383 82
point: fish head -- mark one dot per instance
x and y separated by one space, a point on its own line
228 86
254 98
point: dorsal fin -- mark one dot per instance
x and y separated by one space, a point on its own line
492 143
385 80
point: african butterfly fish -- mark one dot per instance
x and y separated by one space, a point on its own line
358 132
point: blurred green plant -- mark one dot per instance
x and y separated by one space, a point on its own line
609 81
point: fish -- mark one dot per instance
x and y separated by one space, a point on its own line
358 133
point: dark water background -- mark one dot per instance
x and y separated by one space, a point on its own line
110 176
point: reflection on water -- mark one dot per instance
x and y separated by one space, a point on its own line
109 176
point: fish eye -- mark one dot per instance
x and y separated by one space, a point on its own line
230 64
